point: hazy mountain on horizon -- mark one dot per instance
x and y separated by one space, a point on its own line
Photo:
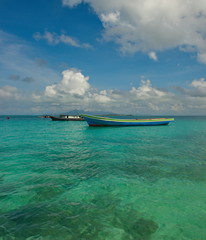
78 112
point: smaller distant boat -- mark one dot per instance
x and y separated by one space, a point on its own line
105 121
45 116
67 118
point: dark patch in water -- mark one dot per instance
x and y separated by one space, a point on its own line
192 172
76 221
105 201
1 178
47 186
47 192
7 189
73 222
152 171
75 166
143 228
131 221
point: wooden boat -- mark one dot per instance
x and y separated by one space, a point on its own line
67 118
105 121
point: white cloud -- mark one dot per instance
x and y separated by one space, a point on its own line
153 56
73 83
103 97
153 107
147 91
71 3
9 92
152 26
74 90
53 38
199 88
75 87
110 18
196 89
199 83
201 56
178 107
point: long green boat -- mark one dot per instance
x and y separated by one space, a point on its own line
106 121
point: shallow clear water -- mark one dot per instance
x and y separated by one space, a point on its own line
65 180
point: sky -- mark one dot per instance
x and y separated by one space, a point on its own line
142 57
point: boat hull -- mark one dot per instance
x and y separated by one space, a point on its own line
102 121
66 119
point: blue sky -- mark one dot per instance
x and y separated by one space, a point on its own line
139 57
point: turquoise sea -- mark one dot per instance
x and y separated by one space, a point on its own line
65 180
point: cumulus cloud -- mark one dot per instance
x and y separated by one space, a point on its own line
9 92
103 97
147 91
197 88
73 82
54 39
74 91
152 26
199 83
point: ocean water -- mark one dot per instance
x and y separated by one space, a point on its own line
65 180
